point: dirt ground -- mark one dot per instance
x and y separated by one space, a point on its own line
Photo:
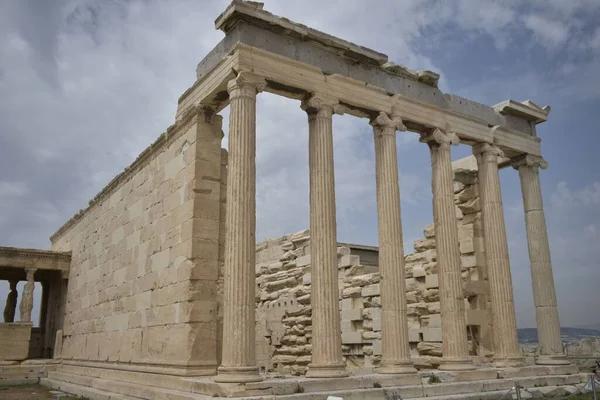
30 392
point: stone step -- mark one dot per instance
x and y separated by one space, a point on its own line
110 387
145 386
84 391
142 378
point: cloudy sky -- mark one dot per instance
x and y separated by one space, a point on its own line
86 85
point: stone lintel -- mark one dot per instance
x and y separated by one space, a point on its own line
526 110
253 13
33 258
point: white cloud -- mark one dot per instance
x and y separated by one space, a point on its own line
565 198
549 33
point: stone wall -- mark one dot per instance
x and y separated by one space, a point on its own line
283 295
146 257
583 353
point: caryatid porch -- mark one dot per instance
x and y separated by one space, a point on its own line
336 76
49 268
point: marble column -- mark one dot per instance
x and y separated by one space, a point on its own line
544 294
238 362
327 360
455 349
27 298
507 351
395 357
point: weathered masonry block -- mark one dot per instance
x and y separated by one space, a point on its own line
146 257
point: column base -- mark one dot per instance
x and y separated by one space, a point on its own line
456 364
507 362
395 367
327 371
552 360
238 375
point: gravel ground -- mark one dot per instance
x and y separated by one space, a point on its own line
30 392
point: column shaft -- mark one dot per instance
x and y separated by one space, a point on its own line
327 360
507 351
239 357
452 303
394 325
544 294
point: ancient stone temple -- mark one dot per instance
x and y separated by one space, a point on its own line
166 293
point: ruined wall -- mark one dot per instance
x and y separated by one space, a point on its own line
146 257
284 329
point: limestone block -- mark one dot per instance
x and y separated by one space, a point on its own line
346 325
432 334
414 335
352 292
430 295
458 186
371 290
470 192
370 335
306 278
475 288
352 338
429 231
424 244
470 207
431 281
366 279
303 261
467 245
465 176
430 349
458 212
348 261
377 351
343 251
435 321
411 297
352 314
14 340
478 317
411 284
433 308
468 261
418 272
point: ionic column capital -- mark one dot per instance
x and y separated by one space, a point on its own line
528 160
438 137
487 149
245 84
322 105
383 124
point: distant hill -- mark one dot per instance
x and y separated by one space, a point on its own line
529 335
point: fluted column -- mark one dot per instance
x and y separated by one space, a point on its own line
507 351
327 358
239 357
395 357
455 348
26 305
544 294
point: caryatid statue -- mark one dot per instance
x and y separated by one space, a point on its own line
26 305
11 303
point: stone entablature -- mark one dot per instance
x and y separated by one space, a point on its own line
33 258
